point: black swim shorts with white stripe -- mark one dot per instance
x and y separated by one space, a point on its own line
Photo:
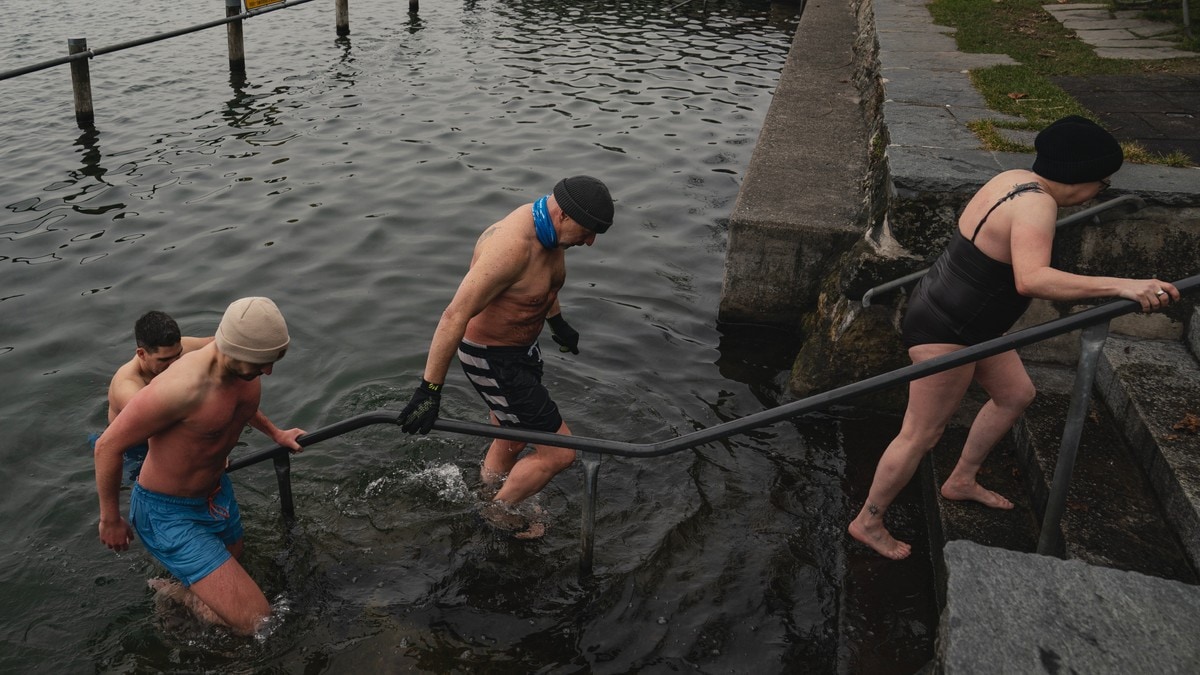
510 381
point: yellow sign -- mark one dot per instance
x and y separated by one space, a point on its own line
255 4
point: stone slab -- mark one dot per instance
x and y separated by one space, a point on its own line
1112 517
923 87
1152 386
1010 612
926 127
945 60
1142 54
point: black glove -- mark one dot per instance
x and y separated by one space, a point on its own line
421 412
566 337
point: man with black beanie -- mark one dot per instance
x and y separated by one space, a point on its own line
493 323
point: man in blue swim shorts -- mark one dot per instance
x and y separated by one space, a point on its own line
159 344
183 506
493 323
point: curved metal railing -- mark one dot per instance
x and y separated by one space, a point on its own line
1093 322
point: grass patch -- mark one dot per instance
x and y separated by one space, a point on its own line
1044 49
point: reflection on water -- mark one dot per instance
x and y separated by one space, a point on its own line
347 178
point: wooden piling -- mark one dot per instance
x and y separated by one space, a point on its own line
237 47
343 17
81 84
413 6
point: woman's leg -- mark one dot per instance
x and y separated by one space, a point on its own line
1011 391
932 401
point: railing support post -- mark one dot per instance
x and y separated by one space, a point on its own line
1091 341
237 46
81 84
587 530
283 472
343 17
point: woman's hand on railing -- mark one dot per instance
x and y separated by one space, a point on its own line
1152 294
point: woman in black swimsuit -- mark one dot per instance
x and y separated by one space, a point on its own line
977 289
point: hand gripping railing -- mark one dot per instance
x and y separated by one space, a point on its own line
1093 321
1131 202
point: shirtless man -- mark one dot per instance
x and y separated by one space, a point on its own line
182 505
493 324
159 344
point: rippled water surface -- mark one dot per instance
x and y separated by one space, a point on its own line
348 179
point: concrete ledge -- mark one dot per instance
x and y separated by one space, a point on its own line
794 214
1009 612
1151 386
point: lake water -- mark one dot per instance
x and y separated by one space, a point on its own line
348 180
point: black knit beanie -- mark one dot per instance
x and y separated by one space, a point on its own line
1076 150
586 201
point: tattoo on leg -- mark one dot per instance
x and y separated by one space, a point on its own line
872 509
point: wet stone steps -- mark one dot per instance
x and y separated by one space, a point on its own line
1114 516
1014 530
1153 388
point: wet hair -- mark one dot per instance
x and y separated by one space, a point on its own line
156 330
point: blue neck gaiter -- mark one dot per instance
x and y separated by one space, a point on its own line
542 225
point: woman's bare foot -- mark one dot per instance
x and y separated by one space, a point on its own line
879 539
975 492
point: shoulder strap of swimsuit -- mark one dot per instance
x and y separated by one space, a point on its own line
1019 189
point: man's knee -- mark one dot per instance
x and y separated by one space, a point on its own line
557 459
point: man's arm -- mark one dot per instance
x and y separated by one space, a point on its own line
285 438
499 262
149 412
121 390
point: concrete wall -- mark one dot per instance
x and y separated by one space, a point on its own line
804 201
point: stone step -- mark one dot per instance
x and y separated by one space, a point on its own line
1153 389
1113 517
1014 530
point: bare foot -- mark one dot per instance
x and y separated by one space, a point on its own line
879 539
170 589
523 521
534 531
977 493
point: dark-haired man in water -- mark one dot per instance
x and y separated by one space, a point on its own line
159 344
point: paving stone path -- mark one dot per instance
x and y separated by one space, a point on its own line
1120 34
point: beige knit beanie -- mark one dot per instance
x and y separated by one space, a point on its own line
253 331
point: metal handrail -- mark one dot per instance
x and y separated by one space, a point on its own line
91 53
1134 203
1099 315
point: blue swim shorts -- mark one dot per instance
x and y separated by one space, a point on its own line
188 535
131 461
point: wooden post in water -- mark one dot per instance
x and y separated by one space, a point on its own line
413 6
81 84
237 48
343 17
